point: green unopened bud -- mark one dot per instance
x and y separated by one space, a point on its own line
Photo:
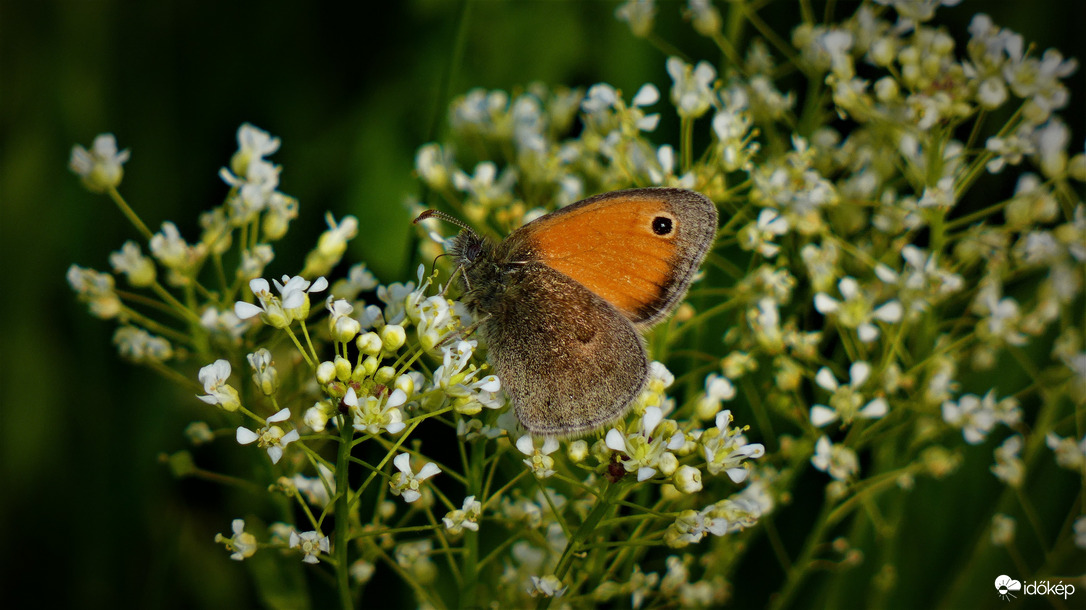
343 368
369 365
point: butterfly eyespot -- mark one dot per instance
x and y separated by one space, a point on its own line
662 225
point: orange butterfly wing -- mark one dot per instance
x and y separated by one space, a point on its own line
638 249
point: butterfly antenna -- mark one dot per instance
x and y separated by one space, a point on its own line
442 216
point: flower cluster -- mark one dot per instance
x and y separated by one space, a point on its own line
875 318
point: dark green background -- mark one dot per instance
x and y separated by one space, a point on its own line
352 91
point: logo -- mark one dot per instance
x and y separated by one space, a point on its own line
1005 585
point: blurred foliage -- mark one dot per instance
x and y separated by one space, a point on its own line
352 91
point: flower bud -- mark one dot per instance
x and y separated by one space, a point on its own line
393 336
687 479
326 372
369 344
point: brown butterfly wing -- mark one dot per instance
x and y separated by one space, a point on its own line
638 249
570 362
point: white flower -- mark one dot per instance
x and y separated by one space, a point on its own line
856 310
139 345
846 400
726 449
837 460
100 167
639 14
242 543
718 389
539 459
463 518
253 143
214 377
1009 467
691 526
139 269
457 378
270 436
96 289
406 482
264 374
311 544
370 413
645 450
759 236
975 416
340 323
692 88
295 291
1070 454
547 586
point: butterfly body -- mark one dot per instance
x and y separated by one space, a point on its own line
560 302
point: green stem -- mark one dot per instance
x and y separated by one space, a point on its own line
603 506
343 583
129 213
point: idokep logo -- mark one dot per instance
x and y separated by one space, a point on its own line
1007 587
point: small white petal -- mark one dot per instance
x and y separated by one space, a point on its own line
396 399
875 409
245 310
615 441
351 399
428 470
395 427
282 415
890 312
289 438
867 332
550 445
647 95
246 436
258 285
858 373
651 419
525 445
825 304
645 473
211 400
737 475
825 379
410 495
822 415
318 286
275 453
402 463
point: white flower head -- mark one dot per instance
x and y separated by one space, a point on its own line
371 414
312 544
242 544
466 517
100 167
726 449
406 482
270 436
214 377
692 88
846 401
539 458
837 460
649 448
